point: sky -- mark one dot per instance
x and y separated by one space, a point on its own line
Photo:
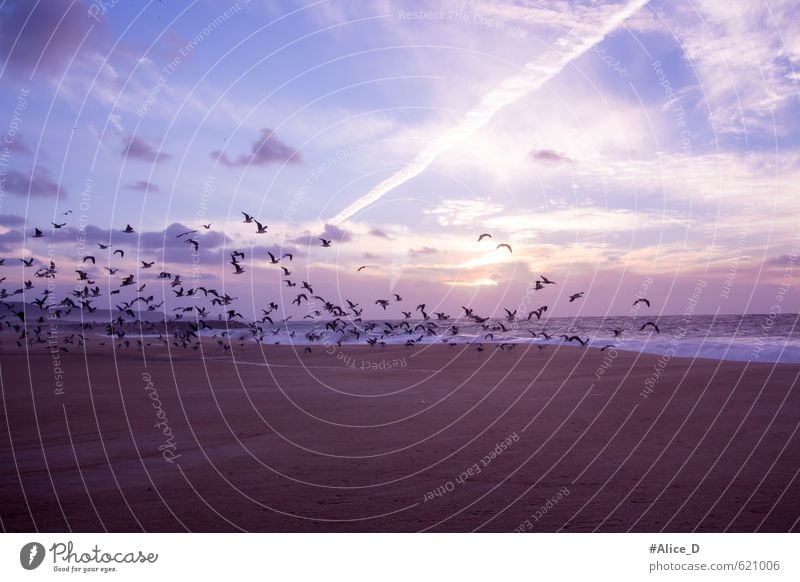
620 148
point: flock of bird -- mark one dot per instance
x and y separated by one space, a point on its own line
183 325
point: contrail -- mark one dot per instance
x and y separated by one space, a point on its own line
535 74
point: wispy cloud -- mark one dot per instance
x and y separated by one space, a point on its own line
536 74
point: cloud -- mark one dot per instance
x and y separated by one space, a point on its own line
532 77
268 149
548 156
11 220
10 240
137 148
42 37
743 53
422 251
331 232
39 183
379 233
143 186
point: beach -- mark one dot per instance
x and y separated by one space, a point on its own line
367 439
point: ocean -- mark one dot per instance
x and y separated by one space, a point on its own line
756 338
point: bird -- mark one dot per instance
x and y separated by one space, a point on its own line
651 324
361 268
617 332
261 228
207 226
102 246
121 253
56 225
128 229
575 296
641 300
37 233
546 281
605 347
247 218
88 258
575 338
483 236
506 245
185 233
239 270
272 259
325 243
146 265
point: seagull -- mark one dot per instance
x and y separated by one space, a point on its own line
483 236
642 300
383 303
238 268
207 226
325 243
397 297
650 323
128 229
546 281
508 246
185 233
146 265
272 259
362 267
617 332
286 272
121 253
537 312
247 218
575 296
575 338
261 228
37 233
88 258
288 255
606 347
56 225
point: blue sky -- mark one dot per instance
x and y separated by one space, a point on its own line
663 144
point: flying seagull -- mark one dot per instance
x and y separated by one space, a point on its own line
483 236
506 245
651 324
642 300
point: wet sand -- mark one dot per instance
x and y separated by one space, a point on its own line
423 439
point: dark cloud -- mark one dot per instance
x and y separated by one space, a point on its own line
11 220
331 232
548 156
379 233
268 149
422 251
38 183
143 186
10 240
42 38
168 238
137 148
